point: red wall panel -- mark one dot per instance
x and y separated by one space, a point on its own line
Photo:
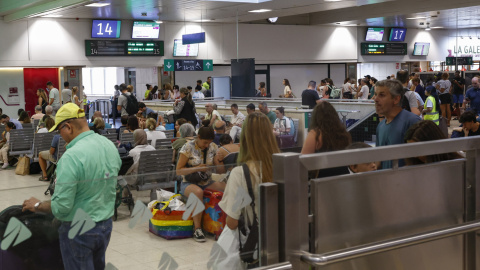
35 78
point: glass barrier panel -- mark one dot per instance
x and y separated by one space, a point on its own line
146 221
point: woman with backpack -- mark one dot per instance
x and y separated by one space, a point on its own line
185 107
257 145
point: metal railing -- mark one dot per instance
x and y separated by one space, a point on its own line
374 248
279 266
291 176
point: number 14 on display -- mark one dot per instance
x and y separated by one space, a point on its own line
108 29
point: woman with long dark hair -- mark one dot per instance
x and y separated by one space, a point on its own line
42 99
424 131
152 93
287 92
185 107
327 132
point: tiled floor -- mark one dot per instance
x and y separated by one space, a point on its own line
129 248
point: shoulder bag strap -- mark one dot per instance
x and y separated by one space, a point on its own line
225 149
246 172
205 155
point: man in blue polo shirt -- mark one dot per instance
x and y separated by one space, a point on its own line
388 102
473 96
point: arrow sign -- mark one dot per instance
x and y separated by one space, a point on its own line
168 65
187 65
207 65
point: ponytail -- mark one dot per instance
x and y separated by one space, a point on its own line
189 97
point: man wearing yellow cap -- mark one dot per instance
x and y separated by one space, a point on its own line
84 191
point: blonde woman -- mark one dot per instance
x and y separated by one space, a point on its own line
257 145
152 133
75 98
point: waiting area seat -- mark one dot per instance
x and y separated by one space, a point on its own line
111 136
163 144
126 138
21 141
155 170
42 142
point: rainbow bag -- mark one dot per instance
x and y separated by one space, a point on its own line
168 223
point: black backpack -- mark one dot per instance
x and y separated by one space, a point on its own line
132 104
250 247
405 102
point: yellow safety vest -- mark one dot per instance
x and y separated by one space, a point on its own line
433 115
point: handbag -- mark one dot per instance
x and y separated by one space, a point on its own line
285 140
23 166
197 177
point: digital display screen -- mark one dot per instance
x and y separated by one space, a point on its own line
397 34
193 38
145 29
106 29
123 48
421 49
184 50
383 48
375 34
144 48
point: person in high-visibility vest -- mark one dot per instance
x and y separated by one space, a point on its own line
430 108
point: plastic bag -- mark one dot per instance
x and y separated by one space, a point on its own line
164 195
225 254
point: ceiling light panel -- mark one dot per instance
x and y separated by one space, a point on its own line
240 1
98 5
260 10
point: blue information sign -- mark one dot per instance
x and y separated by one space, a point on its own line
106 29
397 34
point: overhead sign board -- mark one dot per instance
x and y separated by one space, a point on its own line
450 61
383 48
123 48
188 65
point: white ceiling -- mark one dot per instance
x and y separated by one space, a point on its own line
439 13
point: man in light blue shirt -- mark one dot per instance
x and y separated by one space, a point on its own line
5 119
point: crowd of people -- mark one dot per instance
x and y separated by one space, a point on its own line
212 141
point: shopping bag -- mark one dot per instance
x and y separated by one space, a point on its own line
167 222
285 141
23 166
225 254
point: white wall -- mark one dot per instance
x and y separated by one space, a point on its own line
298 75
189 78
11 78
61 42
144 76
378 70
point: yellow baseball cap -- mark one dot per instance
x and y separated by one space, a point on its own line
67 112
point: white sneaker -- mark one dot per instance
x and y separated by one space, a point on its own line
5 165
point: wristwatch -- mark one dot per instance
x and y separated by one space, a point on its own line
37 205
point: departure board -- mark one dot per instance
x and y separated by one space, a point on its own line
123 48
144 48
383 49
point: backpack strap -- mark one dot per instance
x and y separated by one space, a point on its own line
246 172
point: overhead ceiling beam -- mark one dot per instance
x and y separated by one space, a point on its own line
392 8
11 5
43 8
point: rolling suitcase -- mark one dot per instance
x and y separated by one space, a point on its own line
214 219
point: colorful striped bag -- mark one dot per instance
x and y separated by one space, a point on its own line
168 223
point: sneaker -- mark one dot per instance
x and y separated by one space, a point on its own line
199 236
5 165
